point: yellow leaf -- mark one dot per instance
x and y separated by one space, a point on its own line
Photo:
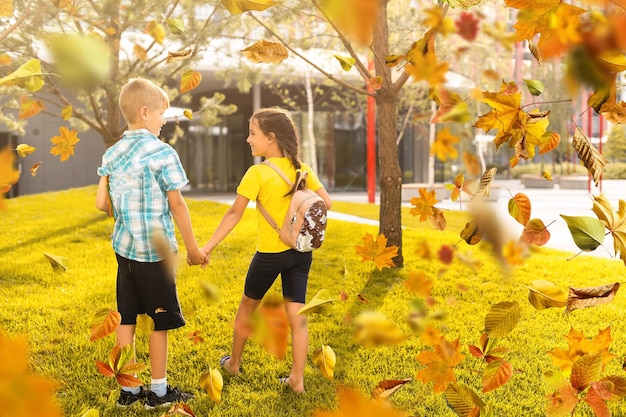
393 60
178 55
67 111
443 147
9 175
593 160
346 61
375 83
579 346
24 149
355 18
34 168
547 175
377 251
212 382
63 145
426 68
145 324
272 326
266 52
424 205
325 359
386 388
157 31
188 114
318 304
29 107
419 283
6 8
5 59
549 141
240 6
437 21
28 76
440 364
189 80
141 53
545 294
373 329
177 26
513 253
61 3
519 208
614 113
56 262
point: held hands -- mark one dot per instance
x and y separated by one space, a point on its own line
197 257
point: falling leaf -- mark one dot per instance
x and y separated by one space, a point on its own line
355 19
188 114
240 6
195 337
353 403
266 52
593 160
67 111
579 346
499 32
324 358
273 327
173 56
471 233
212 382
145 324
346 62
419 283
587 232
563 401
545 294
443 147
375 83
547 175
468 260
6 8
423 206
24 149
28 76
513 253
374 329
440 364
497 373
502 319
519 208
463 400
388 387
157 31
5 60
591 297
393 60
535 87
471 163
467 26
535 233
614 221
377 251
614 113
484 188
63 145
34 168
176 26
9 175
121 366
56 262
549 141
318 304
423 250
82 61
446 254
29 107
141 53
427 68
103 323
436 19
189 80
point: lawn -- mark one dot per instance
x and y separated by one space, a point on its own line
54 310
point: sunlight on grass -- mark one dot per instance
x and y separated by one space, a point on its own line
54 311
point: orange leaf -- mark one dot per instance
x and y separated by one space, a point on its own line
64 145
189 80
34 168
423 206
440 364
597 404
497 373
513 253
446 254
519 208
104 323
549 141
471 163
386 388
377 251
419 283
196 337
29 107
535 233
467 26
105 369
563 401
426 68
586 370
128 380
266 52
355 18
273 329
578 346
353 403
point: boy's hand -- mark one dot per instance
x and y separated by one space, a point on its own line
197 257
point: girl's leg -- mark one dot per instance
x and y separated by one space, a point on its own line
299 345
247 306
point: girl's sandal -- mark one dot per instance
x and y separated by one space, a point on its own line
223 361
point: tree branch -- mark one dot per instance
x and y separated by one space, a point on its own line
327 75
17 23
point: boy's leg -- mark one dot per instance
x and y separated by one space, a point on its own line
157 349
247 306
299 345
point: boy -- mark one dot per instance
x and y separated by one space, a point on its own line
143 176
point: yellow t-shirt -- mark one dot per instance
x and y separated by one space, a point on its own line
261 182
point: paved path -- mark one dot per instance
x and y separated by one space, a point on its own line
546 204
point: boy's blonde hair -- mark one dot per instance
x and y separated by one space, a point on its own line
138 92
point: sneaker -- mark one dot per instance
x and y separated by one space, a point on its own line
127 398
173 395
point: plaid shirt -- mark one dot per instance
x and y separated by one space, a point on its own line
141 170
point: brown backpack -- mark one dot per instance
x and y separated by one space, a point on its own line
304 226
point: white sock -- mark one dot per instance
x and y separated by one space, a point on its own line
159 386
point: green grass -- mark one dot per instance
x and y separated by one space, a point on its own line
54 310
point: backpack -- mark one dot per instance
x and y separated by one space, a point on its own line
304 226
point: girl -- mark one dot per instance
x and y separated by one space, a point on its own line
274 136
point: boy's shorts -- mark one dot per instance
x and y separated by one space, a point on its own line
148 288
293 267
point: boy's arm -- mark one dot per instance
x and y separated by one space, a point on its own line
180 212
102 196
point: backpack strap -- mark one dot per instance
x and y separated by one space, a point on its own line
304 175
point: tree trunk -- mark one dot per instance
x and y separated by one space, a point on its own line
310 121
390 174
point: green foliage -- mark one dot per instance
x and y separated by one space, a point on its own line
55 312
616 143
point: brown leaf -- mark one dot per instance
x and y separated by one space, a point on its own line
485 182
178 55
266 52
593 160
386 388
590 297
535 233
497 373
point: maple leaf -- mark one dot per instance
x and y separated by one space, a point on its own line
196 337
443 146
419 283
513 253
467 26
550 18
374 329
64 145
579 346
614 221
438 22
423 206
354 404
424 67
498 31
377 251
440 364
446 254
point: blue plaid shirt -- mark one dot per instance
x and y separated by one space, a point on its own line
141 170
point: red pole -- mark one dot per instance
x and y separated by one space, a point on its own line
371 142
589 133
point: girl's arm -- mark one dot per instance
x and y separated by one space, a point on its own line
228 222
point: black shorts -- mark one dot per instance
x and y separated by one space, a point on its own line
148 288
293 267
